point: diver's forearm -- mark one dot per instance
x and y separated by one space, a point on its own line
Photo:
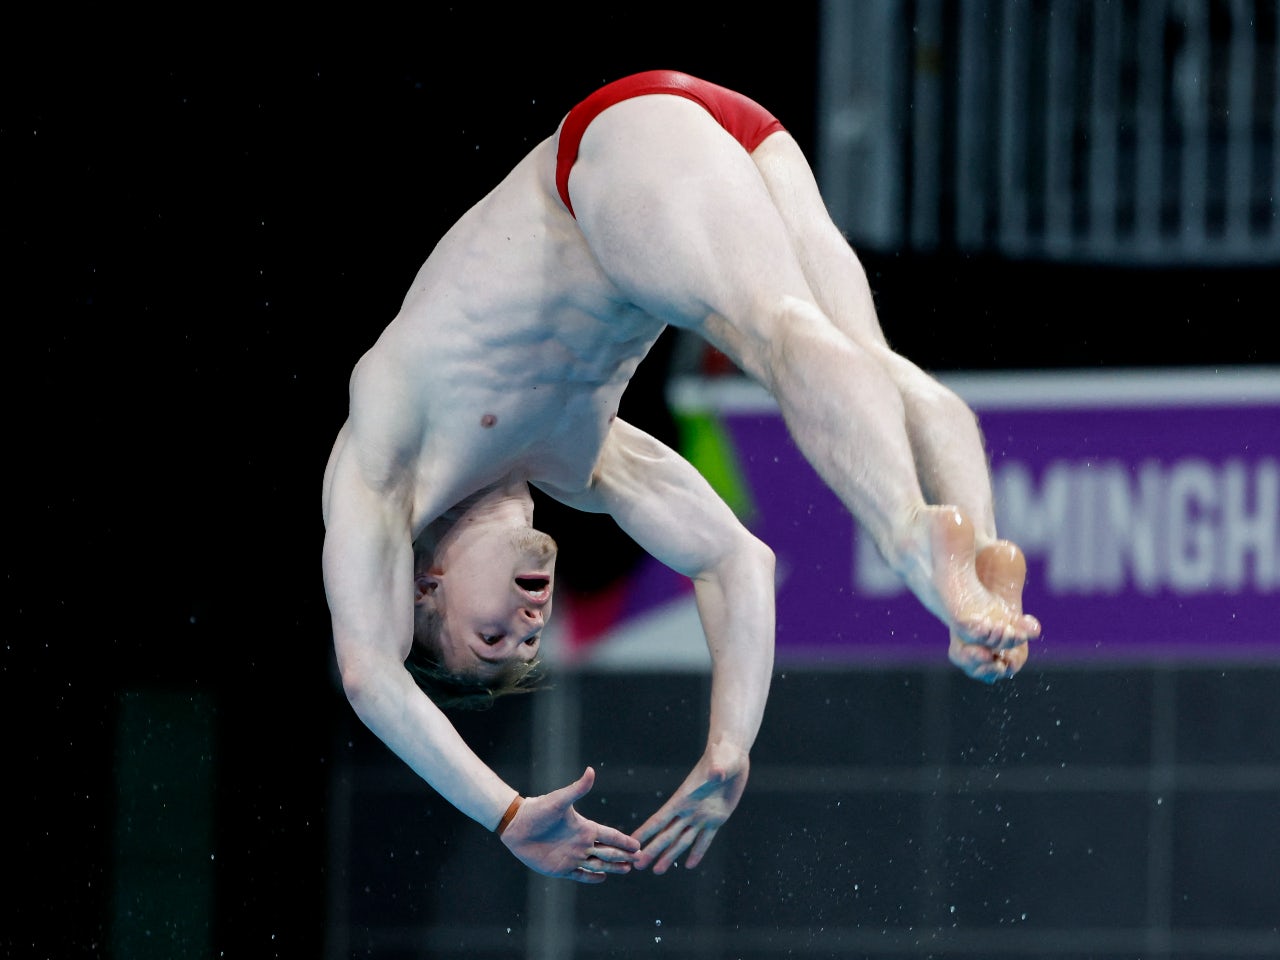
419 733
736 605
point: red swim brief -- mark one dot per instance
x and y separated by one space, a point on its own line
744 119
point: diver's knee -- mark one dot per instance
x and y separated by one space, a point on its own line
794 329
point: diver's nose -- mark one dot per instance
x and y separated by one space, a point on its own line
531 615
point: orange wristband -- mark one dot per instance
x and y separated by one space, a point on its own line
509 815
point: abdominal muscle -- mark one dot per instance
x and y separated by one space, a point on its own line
509 356
510 353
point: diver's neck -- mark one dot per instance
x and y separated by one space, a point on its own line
507 501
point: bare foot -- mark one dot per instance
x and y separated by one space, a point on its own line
942 570
1002 568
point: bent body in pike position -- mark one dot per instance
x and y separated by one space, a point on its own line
661 200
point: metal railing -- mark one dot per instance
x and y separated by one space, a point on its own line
1138 131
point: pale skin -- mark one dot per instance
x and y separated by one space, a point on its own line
504 369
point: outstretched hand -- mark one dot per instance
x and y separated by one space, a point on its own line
692 815
549 836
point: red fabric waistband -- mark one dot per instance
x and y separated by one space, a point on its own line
744 119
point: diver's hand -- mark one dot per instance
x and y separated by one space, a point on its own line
692 815
549 836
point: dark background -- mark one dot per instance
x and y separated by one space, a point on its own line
203 226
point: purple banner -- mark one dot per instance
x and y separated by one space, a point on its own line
1148 506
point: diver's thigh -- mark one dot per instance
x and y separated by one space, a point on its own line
677 214
831 266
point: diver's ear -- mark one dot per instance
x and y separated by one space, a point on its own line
425 585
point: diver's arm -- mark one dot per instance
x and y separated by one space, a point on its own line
660 500
368 576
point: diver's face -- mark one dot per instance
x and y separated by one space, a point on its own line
493 589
